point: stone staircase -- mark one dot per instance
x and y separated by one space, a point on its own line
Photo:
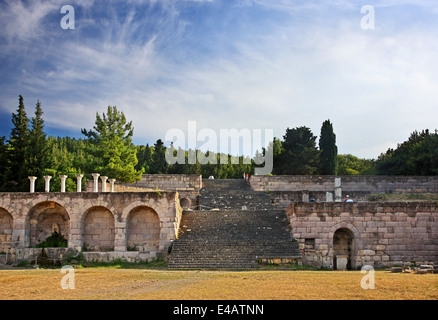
232 194
229 237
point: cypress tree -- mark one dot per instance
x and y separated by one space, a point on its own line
19 141
329 151
37 153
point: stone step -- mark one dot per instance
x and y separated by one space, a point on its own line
230 237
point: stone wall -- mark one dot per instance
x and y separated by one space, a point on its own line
374 184
95 221
381 234
173 182
284 190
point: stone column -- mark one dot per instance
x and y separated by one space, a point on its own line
338 190
104 178
63 178
96 181
111 181
79 182
32 184
47 183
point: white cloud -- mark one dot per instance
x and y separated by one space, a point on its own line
376 86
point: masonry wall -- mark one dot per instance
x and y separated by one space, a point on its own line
284 190
95 221
375 184
383 234
173 182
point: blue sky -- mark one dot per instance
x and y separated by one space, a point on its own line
255 64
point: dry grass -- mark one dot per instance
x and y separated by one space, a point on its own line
111 283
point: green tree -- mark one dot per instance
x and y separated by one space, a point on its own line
37 152
159 164
19 141
144 156
68 157
416 156
276 149
114 151
300 154
352 165
328 150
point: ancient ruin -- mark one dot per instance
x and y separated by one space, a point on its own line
235 224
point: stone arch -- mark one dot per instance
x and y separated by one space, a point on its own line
6 226
343 249
143 229
135 204
45 218
345 242
98 229
185 203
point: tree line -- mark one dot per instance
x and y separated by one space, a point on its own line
108 149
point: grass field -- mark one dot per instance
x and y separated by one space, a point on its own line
163 284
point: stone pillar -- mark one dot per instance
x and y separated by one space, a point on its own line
63 178
329 197
47 183
104 178
338 190
111 181
96 181
32 184
79 182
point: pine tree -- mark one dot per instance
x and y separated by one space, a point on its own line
116 154
19 141
329 151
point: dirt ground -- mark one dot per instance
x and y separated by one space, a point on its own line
152 284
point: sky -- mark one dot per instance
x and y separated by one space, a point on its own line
244 64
